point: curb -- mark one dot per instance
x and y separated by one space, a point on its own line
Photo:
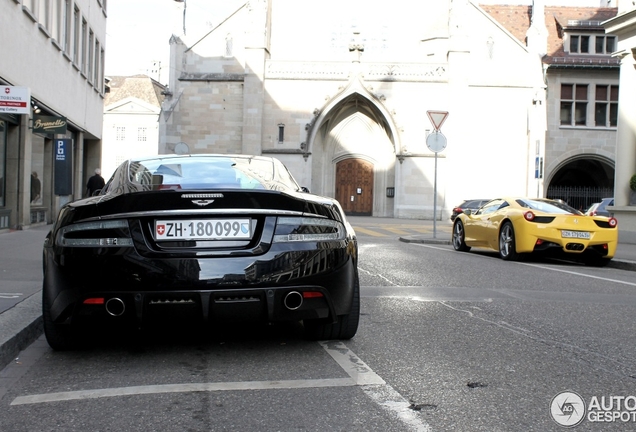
21 326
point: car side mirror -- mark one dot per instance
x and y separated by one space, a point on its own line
305 189
468 212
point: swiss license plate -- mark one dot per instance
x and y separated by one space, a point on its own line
575 234
203 229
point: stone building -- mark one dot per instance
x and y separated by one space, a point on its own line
624 27
131 120
344 100
53 62
582 78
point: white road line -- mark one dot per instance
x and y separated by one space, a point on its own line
10 295
578 274
359 375
374 386
546 268
181 388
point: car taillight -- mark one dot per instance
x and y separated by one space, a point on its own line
113 233
613 222
458 210
299 229
529 216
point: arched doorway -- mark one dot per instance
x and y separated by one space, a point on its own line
354 186
582 181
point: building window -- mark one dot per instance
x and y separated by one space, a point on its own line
592 44
91 56
141 134
580 44
605 44
120 133
101 70
66 26
84 48
606 106
76 36
96 64
574 104
281 133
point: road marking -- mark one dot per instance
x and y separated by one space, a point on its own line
374 386
538 266
359 373
10 295
577 273
181 388
397 231
368 232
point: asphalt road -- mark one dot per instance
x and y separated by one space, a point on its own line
447 341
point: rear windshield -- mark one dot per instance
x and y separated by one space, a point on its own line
548 206
210 173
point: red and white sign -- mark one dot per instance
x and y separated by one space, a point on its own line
15 100
437 118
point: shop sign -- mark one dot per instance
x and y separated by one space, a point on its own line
63 167
49 124
15 100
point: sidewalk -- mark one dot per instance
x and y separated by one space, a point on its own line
21 275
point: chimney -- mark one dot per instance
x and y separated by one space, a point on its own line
537 35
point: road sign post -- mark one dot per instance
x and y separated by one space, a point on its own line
436 142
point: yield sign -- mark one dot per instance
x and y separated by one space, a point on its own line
437 118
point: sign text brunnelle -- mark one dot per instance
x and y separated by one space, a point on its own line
49 124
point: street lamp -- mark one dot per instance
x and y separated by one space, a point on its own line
185 5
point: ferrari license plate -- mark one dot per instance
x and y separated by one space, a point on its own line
203 229
575 234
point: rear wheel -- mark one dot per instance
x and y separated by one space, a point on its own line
59 336
507 244
346 325
459 237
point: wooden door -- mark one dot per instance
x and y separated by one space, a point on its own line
354 186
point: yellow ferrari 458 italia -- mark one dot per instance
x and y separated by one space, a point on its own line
517 226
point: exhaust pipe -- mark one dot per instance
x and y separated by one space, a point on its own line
293 300
115 307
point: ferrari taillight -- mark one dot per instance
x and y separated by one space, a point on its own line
529 216
613 222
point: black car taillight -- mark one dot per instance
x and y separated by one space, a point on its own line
95 234
299 229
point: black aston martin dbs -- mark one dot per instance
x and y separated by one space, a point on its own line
211 237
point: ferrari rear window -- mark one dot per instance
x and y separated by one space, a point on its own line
547 206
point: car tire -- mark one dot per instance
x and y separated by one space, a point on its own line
60 337
346 326
507 243
459 237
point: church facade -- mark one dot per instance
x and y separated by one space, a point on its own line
396 112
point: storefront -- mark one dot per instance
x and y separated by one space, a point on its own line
6 122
